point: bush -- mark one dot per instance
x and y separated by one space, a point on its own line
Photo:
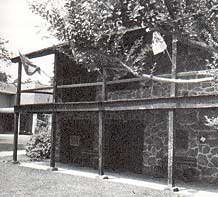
39 146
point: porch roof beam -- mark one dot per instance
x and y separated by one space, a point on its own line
40 53
191 102
36 92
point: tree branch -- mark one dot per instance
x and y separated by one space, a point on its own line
163 79
183 39
115 60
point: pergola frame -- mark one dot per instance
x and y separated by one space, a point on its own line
103 106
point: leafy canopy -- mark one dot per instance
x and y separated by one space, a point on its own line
4 58
4 54
98 29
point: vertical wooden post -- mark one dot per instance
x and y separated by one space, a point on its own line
171 114
53 129
101 128
17 114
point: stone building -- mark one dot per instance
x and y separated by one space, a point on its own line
123 124
137 140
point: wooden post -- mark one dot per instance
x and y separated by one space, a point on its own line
171 114
17 114
53 129
101 128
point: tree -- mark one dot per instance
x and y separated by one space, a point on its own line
97 31
4 54
4 58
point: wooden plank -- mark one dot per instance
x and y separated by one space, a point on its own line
17 114
124 81
41 52
101 131
171 114
54 123
79 85
190 102
35 89
171 162
132 80
36 92
173 75
100 143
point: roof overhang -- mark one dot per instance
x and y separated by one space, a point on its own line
41 52
7 92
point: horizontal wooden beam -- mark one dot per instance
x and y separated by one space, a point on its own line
36 92
80 85
132 80
191 102
42 88
41 52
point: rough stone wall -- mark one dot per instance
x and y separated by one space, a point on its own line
155 142
155 130
203 88
203 142
203 155
64 122
143 90
202 149
156 89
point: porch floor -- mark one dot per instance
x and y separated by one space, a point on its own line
186 189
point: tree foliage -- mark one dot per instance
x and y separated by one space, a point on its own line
97 29
4 77
4 54
4 58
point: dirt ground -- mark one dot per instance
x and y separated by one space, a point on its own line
16 180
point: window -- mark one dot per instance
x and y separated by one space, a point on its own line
74 140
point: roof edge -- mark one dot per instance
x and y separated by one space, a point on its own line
42 52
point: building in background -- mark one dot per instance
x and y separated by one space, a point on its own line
7 99
28 122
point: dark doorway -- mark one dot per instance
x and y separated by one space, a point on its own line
6 123
125 146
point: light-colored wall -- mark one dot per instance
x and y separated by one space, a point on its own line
6 100
27 98
34 98
42 98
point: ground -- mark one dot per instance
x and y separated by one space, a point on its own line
18 180
21 181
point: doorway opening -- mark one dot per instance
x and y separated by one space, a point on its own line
124 146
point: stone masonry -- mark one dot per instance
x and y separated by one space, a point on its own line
198 161
202 148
